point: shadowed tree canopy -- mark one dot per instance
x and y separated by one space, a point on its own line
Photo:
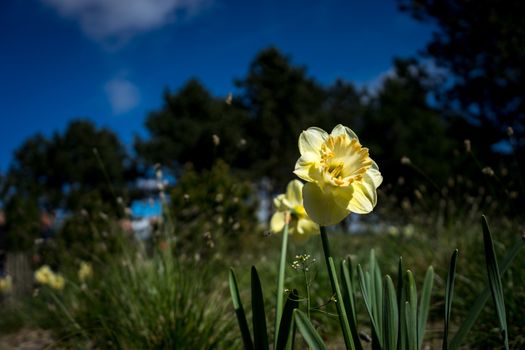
258 131
482 44
344 104
281 101
183 130
60 170
399 122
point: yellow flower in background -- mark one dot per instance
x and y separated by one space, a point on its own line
44 274
85 271
291 204
6 284
341 177
57 282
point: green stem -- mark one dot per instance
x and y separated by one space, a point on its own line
343 318
280 283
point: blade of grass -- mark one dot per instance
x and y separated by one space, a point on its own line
310 335
283 333
390 314
239 311
424 305
449 294
260 334
495 280
482 298
280 283
349 299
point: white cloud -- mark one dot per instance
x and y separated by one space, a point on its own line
375 84
122 94
119 20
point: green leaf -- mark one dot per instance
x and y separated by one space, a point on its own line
495 280
390 314
310 335
411 340
411 310
348 286
363 283
377 305
482 298
239 311
449 294
291 304
260 334
401 296
424 305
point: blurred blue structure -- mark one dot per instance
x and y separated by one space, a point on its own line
151 208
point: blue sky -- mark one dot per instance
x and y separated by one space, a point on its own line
111 60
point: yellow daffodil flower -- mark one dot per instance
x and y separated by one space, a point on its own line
289 206
57 282
6 284
85 271
43 275
341 177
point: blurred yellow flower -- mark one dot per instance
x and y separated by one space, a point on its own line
341 177
291 204
85 271
43 275
57 282
6 284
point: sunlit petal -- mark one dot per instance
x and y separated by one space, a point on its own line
277 222
294 193
343 130
310 142
364 197
303 168
375 175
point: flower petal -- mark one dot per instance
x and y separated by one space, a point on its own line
307 227
375 175
364 198
321 207
308 171
279 203
277 222
302 169
294 193
341 130
343 195
310 142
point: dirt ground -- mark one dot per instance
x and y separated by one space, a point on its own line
27 339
